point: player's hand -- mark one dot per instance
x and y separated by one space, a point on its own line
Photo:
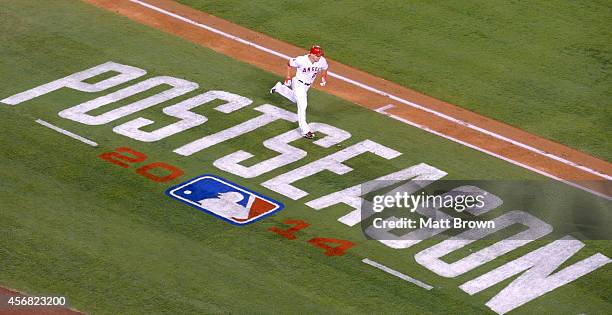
287 81
323 82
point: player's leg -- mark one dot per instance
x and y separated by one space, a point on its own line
302 103
284 90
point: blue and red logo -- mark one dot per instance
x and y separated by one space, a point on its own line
224 199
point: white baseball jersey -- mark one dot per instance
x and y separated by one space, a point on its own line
306 70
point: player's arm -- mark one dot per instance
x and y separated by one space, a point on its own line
289 71
323 77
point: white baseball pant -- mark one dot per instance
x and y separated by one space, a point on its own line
296 94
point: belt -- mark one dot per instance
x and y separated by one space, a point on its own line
306 84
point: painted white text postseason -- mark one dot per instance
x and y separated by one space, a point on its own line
533 275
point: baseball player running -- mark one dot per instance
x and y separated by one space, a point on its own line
295 88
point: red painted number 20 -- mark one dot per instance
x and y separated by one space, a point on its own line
125 156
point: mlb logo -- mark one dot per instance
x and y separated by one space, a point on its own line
224 199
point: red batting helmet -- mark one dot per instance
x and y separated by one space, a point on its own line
316 50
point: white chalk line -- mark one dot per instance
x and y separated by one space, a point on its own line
397 274
408 122
67 133
374 90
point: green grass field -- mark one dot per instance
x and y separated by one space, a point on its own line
112 242
542 66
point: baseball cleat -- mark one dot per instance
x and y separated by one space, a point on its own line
273 89
309 135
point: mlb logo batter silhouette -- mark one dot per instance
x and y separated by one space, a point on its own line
224 199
